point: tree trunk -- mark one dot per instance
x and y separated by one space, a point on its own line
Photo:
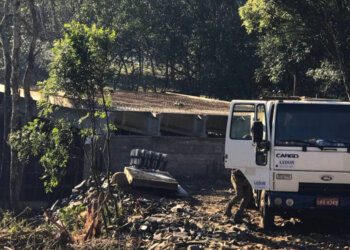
54 17
346 79
30 65
136 88
16 171
153 74
141 82
5 162
166 74
294 83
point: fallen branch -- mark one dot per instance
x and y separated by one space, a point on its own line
63 229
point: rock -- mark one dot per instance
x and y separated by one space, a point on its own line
157 236
177 209
143 201
119 179
163 245
143 227
213 245
135 218
126 202
153 219
105 185
173 229
75 203
193 247
179 237
153 246
80 197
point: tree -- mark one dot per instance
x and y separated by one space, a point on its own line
6 51
16 170
195 47
30 60
12 74
48 141
80 69
320 25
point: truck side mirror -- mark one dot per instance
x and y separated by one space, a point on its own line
258 130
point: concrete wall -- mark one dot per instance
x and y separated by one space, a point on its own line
187 156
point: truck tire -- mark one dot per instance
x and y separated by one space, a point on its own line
267 215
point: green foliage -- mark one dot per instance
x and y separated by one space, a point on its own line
49 142
72 217
296 36
27 232
196 47
14 224
256 15
81 63
327 72
281 52
329 79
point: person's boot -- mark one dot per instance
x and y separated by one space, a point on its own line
228 211
237 218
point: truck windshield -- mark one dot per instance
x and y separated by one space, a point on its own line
314 125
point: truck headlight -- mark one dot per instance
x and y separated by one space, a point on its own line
289 202
277 201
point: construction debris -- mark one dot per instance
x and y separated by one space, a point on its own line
147 220
150 179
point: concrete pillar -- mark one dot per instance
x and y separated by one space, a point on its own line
145 123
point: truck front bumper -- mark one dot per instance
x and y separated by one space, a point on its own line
295 201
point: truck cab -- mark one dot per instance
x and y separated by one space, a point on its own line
294 153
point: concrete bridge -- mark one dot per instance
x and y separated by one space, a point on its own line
189 129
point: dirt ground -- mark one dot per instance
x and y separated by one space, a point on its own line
209 229
168 103
197 222
318 233
156 220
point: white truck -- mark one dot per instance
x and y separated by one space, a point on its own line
294 153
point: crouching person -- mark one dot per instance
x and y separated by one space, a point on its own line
243 195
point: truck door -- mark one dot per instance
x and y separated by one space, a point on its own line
240 151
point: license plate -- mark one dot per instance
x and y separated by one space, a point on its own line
327 202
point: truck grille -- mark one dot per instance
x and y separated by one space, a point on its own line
322 188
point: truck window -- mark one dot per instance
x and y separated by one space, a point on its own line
271 117
242 121
261 116
313 125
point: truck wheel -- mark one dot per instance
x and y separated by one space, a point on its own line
267 216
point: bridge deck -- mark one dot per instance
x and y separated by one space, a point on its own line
168 103
151 102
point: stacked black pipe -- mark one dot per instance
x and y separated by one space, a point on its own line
146 159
